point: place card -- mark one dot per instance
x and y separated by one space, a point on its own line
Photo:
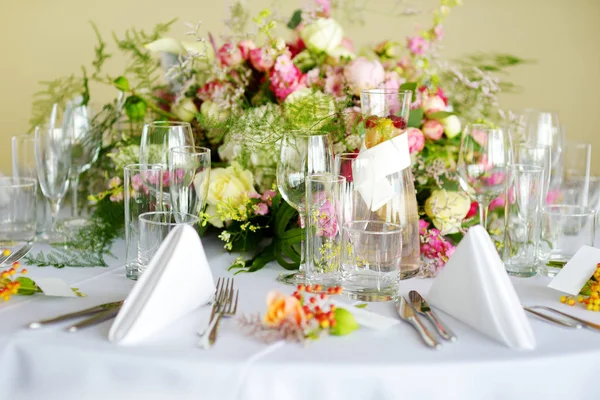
366 318
55 287
573 276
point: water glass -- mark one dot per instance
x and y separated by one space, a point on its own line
189 175
372 255
323 235
543 128
23 166
17 211
539 156
154 228
575 187
524 193
565 229
143 193
159 137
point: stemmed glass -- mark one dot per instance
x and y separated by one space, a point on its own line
302 154
483 158
189 174
53 150
87 141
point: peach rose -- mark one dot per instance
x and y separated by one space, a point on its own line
282 308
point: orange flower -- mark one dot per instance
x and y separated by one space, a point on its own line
281 308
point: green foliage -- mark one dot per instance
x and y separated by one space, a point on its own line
414 118
346 323
56 92
295 20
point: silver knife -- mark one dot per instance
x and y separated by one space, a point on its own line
422 307
585 323
77 314
95 320
407 314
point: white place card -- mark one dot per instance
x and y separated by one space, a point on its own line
573 276
367 318
54 287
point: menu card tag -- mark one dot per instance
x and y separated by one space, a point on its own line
573 276
55 287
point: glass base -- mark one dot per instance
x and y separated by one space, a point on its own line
369 286
522 272
72 225
370 296
294 279
548 271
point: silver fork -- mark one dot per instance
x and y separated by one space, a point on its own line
16 256
225 306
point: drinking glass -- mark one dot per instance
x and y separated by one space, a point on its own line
302 154
87 141
565 229
53 152
23 166
323 235
189 174
483 158
543 128
154 228
142 194
538 155
575 187
159 137
406 208
17 211
523 194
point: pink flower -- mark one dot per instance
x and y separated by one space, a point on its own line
347 43
268 196
261 209
352 116
432 104
285 77
363 74
553 196
262 59
392 81
433 129
334 85
417 45
473 210
296 47
326 221
245 46
480 136
114 182
438 32
253 195
313 77
324 7
230 55
165 180
416 140
436 247
116 197
497 202
285 68
423 225
136 182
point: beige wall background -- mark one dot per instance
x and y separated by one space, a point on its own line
44 39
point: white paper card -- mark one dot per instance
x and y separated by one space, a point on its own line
367 318
54 287
573 276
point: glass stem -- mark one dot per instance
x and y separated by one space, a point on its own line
74 194
302 217
54 208
483 213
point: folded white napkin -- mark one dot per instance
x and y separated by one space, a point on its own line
474 288
177 281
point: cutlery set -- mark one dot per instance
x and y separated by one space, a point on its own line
418 305
16 256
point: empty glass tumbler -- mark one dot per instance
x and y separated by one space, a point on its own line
17 211
523 202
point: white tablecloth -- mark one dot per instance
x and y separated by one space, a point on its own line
53 364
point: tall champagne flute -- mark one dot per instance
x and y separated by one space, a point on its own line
483 158
53 149
158 138
302 154
189 174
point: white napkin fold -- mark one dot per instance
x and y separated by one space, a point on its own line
177 281
474 288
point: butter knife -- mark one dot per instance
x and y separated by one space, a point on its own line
95 320
407 314
93 310
422 307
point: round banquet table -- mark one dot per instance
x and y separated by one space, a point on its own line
51 363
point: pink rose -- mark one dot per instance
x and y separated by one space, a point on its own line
285 77
230 55
245 46
363 74
433 129
431 104
261 59
417 45
416 140
261 209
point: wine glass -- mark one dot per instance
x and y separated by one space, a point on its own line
189 174
483 158
86 144
53 151
302 154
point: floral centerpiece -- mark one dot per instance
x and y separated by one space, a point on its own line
242 93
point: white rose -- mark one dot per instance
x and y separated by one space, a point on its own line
212 111
342 52
229 182
452 126
185 109
447 209
323 35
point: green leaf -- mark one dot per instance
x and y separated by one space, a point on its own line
295 20
291 236
363 305
440 115
28 286
415 117
135 108
284 214
345 323
412 86
122 84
